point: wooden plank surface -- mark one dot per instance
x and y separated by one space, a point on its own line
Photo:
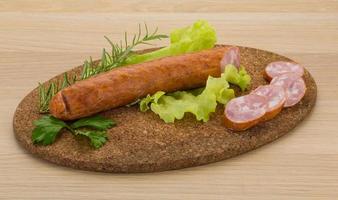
39 39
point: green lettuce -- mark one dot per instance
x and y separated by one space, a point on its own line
150 99
237 77
199 36
200 102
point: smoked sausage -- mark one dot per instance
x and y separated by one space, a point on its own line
124 85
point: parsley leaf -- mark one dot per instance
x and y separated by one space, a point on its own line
97 122
97 138
47 129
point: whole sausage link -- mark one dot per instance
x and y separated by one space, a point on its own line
124 85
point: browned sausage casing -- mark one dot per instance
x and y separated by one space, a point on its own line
124 85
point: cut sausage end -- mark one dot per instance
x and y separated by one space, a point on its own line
57 107
232 56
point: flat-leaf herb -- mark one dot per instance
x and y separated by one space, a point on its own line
94 128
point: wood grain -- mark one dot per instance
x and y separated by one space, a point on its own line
197 6
39 40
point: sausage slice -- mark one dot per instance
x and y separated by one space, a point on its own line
281 67
276 98
293 85
244 112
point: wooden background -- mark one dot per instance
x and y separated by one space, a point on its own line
39 39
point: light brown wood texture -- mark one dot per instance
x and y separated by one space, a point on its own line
39 39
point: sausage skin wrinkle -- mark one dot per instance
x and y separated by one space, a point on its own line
124 85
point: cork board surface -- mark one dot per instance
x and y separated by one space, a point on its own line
141 142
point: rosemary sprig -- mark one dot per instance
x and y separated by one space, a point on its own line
116 58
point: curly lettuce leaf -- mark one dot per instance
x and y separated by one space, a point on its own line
150 99
199 36
173 106
237 77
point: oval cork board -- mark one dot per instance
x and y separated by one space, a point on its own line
142 142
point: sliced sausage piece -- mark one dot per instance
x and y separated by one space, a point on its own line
281 67
276 98
244 112
231 57
294 87
284 80
295 92
124 85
